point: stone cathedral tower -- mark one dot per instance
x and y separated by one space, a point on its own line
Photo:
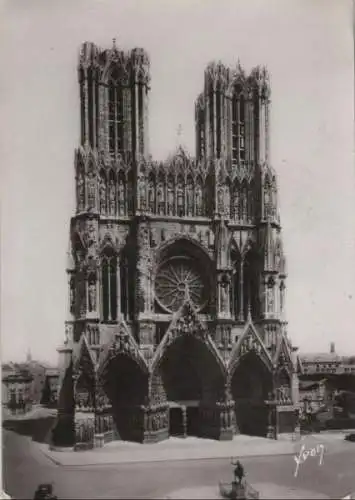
176 270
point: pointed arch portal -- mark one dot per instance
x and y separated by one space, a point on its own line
192 381
126 386
251 385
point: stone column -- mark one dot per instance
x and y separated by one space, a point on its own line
241 291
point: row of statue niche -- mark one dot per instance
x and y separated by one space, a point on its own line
111 188
154 199
91 189
85 431
241 206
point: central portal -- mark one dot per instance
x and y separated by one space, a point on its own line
192 381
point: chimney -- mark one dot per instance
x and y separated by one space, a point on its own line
332 347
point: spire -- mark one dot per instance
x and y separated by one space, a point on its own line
29 356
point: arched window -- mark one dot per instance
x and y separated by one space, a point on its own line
109 286
238 125
180 197
127 289
115 115
121 194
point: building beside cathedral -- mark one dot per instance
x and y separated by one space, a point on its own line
176 270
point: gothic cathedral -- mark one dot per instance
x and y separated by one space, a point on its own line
176 271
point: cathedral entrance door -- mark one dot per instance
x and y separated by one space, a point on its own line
126 386
191 377
251 384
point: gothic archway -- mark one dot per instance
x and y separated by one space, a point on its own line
251 385
192 381
126 386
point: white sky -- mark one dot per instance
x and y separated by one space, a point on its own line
308 47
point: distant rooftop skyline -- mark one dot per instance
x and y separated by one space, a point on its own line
307 46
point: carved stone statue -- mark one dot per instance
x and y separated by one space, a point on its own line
198 200
220 201
170 200
81 193
92 297
121 197
270 299
112 197
102 196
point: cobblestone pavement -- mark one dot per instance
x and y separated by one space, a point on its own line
25 466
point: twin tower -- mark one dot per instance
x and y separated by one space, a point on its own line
176 270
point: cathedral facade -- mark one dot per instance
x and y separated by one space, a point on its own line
176 270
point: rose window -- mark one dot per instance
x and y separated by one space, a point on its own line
177 279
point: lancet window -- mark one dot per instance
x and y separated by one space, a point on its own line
115 117
238 128
109 286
